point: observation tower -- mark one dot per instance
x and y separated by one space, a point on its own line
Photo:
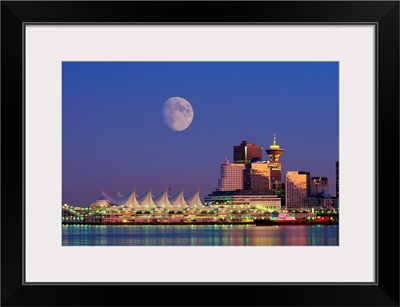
274 152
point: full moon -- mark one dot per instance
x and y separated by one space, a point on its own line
178 113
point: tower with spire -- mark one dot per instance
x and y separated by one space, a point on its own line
274 152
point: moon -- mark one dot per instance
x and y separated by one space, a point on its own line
178 113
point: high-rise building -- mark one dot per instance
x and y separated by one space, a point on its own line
246 151
297 189
256 175
231 176
337 179
274 152
318 185
277 186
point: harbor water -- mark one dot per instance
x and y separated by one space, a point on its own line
200 235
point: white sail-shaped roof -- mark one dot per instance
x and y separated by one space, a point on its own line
120 200
162 201
105 196
178 202
104 199
146 202
149 201
123 200
132 201
194 201
119 195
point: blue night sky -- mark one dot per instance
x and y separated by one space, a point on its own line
114 136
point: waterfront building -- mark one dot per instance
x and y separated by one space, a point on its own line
276 183
337 180
274 152
246 151
336 203
111 217
248 201
257 175
318 185
132 201
279 189
146 202
149 202
322 200
94 217
178 202
297 189
231 176
319 193
68 211
193 202
162 202
105 199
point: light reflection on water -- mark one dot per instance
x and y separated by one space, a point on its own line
200 235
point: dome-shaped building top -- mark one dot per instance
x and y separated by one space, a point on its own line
256 160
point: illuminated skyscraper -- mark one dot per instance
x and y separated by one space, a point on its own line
337 179
318 185
256 175
297 187
274 152
246 151
231 176
246 182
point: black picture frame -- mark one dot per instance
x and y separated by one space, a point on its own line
383 14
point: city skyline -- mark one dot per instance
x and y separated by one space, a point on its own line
114 137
